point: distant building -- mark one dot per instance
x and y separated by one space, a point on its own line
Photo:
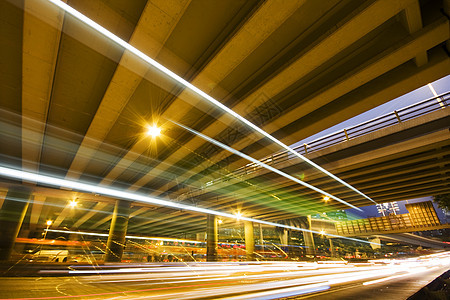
389 208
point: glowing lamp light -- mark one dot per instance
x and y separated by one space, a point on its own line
322 232
238 215
220 221
73 203
326 198
153 131
49 222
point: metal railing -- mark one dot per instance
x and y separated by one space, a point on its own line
384 121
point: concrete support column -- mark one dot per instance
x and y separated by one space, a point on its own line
376 240
284 236
332 251
71 239
117 231
309 239
261 237
249 240
211 238
200 236
12 213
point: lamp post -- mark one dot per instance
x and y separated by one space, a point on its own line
49 223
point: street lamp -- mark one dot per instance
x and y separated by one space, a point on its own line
49 223
153 131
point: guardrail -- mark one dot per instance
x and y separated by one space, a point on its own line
407 113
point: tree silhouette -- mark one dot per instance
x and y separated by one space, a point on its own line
443 201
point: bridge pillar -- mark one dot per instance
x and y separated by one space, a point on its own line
12 214
261 237
117 231
332 250
308 238
211 238
200 236
249 240
375 240
284 236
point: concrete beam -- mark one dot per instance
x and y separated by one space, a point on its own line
42 33
151 32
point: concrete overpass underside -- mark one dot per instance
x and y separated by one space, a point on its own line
412 239
75 105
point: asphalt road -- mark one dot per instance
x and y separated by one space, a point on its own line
388 279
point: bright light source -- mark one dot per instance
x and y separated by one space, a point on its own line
220 221
238 215
73 203
49 222
153 131
326 198
322 232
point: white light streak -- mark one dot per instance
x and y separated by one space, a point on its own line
190 86
65 183
270 168
410 272
127 236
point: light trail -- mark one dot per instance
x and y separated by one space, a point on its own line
59 182
193 88
259 163
233 280
127 236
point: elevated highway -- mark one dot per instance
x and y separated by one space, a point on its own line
76 103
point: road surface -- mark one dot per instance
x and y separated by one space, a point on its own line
382 279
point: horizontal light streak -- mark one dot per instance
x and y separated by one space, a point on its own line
270 168
284 292
264 280
65 183
384 279
410 272
127 236
190 86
